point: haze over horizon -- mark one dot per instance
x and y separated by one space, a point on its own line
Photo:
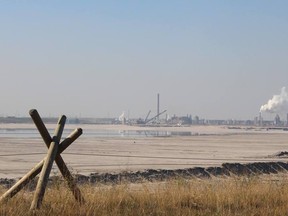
215 59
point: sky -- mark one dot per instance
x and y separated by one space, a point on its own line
215 59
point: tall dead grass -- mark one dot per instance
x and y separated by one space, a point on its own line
221 196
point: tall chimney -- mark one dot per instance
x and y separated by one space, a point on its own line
158 105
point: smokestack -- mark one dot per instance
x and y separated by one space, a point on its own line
158 105
260 119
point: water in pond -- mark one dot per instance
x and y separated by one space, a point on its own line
33 133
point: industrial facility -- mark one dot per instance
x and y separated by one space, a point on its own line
157 119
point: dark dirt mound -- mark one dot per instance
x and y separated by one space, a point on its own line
227 169
281 154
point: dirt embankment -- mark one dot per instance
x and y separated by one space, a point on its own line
227 169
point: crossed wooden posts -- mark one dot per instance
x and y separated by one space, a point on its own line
45 166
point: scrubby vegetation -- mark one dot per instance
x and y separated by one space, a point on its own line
218 196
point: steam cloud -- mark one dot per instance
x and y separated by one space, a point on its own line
278 103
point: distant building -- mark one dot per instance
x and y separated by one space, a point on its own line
277 120
260 123
187 120
196 120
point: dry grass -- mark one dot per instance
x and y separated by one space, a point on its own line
222 196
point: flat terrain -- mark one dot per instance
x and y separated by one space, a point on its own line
139 148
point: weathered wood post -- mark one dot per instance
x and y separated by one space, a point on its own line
37 169
59 161
45 166
44 175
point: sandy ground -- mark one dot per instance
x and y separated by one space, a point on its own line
209 146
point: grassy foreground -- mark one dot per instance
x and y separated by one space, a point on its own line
221 196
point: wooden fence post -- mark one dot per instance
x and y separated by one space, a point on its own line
54 154
59 161
37 169
44 175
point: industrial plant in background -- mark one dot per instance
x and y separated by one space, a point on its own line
277 106
167 121
188 119
155 119
259 121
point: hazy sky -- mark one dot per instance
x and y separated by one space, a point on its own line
216 59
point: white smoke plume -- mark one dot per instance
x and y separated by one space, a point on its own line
278 103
